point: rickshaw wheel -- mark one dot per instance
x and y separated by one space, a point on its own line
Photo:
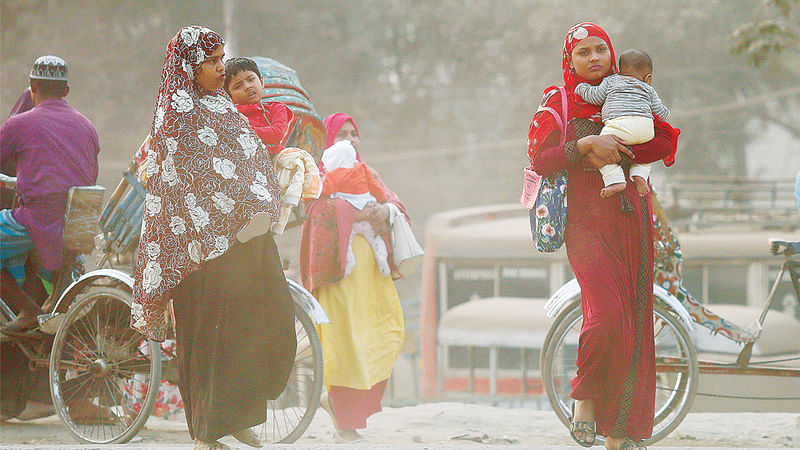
289 415
104 375
677 371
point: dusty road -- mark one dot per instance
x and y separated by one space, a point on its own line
445 426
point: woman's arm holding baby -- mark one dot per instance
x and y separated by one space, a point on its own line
653 150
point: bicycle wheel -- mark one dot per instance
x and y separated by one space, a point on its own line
99 366
289 415
677 372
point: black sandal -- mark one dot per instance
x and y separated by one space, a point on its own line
587 429
630 444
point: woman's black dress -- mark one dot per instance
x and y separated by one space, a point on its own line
236 338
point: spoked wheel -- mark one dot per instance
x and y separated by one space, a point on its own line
677 372
100 367
289 415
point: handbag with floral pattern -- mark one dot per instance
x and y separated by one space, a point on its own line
549 215
546 196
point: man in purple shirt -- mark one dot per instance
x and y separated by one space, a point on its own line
52 147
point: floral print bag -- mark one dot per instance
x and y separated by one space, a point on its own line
549 215
546 196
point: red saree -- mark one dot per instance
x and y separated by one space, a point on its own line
611 253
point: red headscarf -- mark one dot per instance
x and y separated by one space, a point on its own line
326 233
577 107
333 123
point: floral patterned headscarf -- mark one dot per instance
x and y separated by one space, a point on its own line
577 107
208 173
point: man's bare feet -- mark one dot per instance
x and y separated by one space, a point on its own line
641 186
612 189
26 320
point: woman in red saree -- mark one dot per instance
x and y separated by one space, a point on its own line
610 249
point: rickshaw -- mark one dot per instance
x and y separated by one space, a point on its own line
96 362
676 316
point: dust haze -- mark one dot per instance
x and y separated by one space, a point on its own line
442 91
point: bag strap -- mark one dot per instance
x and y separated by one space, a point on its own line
563 116
561 119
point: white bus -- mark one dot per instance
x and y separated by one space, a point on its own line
484 286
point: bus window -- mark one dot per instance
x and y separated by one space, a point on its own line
727 284
785 298
467 282
524 281
693 281
716 282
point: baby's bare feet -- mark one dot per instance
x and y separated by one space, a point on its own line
641 186
613 189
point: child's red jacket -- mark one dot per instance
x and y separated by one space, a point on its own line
271 122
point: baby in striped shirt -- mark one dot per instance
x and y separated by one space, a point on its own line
629 104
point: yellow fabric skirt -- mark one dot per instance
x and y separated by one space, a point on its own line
362 342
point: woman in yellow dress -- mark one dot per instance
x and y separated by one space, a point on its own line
338 264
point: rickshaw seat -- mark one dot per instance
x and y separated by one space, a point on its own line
84 204
121 220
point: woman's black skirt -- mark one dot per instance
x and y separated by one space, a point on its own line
236 338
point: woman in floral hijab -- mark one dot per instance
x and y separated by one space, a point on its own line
208 175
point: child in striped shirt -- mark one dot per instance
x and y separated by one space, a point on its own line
629 104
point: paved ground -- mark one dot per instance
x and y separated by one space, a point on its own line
442 426
343 446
